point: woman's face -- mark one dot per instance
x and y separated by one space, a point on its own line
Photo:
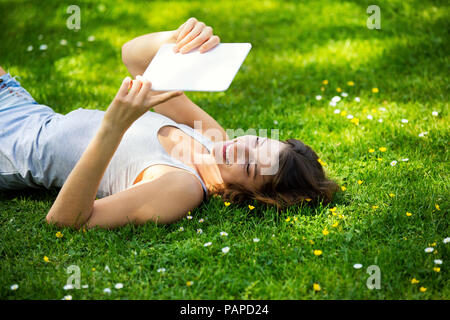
250 161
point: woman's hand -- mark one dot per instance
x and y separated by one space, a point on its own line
133 99
193 34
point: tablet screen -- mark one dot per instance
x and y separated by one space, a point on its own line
213 70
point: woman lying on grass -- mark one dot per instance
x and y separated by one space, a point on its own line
146 166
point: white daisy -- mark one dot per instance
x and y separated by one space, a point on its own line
336 99
369 117
337 111
199 231
181 229
435 113
382 109
275 122
438 261
201 220
91 38
68 287
67 298
207 244
349 116
404 120
422 134
43 47
332 103
189 217
118 286
30 48
446 240
223 234
429 250
380 120
357 266
255 240
161 270
63 42
14 287
107 290
393 163
344 94
226 249
357 99
318 98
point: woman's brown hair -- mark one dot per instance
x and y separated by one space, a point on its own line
300 177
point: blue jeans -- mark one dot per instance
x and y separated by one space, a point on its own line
21 123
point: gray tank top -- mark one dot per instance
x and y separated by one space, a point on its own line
66 137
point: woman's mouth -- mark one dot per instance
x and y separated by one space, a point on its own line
224 150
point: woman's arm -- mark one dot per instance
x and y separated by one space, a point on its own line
74 203
139 52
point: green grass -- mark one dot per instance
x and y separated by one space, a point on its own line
295 46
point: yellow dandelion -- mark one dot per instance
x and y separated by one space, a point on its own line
380 159
391 195
374 207
321 162
423 289
93 269
350 83
59 234
288 219
437 207
433 244
408 214
334 225
325 82
316 287
251 207
46 259
375 90
414 281
338 89
308 199
226 203
333 209
437 269
317 252
382 149
344 113
355 121
371 150
360 181
295 218
343 188
340 216
325 232
189 283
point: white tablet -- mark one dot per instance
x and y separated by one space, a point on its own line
212 70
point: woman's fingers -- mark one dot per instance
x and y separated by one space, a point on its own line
123 90
208 45
204 36
163 97
185 28
190 36
136 86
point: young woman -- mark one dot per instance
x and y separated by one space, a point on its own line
142 165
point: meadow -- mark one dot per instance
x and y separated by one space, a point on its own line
372 103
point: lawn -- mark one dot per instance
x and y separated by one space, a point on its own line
396 146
